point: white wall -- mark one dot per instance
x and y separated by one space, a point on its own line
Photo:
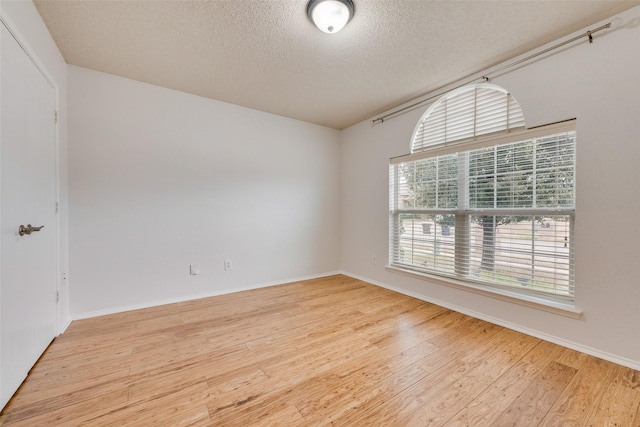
599 84
161 179
24 19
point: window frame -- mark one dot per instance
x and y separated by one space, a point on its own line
463 214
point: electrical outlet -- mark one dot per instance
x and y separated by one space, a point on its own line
228 265
373 259
194 269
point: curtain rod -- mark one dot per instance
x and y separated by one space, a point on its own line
485 78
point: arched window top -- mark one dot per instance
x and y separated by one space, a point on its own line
465 114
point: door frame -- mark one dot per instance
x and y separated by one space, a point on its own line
30 52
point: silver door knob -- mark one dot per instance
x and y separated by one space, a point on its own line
28 229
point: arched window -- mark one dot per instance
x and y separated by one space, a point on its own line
485 201
467 113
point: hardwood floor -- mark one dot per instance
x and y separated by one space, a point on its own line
331 351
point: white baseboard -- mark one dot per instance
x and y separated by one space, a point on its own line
114 310
532 332
497 321
64 325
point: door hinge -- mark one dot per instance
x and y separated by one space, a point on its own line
57 207
55 116
57 296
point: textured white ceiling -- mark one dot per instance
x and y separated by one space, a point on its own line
266 55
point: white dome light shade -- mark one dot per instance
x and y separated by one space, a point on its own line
330 16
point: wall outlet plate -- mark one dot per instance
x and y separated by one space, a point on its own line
194 269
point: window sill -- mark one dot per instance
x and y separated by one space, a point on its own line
563 308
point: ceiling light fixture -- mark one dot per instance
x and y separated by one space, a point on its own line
330 16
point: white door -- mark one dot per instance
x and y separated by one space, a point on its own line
28 306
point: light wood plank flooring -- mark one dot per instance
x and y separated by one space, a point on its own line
331 351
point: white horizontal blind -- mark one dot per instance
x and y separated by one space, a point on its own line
525 174
500 215
467 113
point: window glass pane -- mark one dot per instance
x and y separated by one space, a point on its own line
430 183
531 252
555 171
553 151
491 114
460 118
447 181
514 181
433 130
555 188
482 178
427 242
418 183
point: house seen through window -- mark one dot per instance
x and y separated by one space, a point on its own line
484 200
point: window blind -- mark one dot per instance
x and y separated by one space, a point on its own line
500 215
467 113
